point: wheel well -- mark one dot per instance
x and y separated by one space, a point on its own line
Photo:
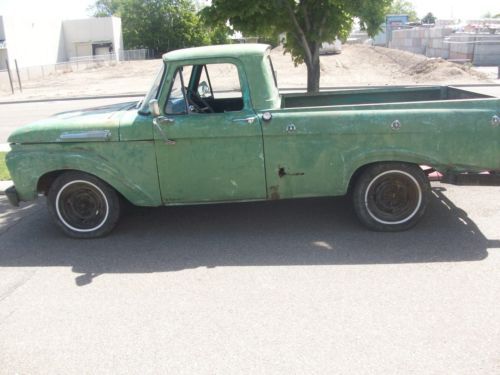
46 181
361 169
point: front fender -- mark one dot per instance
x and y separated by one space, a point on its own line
129 167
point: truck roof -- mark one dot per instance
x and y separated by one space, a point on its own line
224 50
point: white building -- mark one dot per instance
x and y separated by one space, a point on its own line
3 45
43 41
93 36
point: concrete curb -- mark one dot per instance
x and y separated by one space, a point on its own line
21 101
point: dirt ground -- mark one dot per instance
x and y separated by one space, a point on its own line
356 65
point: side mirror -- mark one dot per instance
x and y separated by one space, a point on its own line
203 89
154 107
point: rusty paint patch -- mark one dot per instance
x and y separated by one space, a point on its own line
274 193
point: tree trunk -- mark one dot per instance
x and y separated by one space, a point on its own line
313 72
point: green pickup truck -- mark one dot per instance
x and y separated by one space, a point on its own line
215 128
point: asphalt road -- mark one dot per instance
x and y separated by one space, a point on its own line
15 115
290 287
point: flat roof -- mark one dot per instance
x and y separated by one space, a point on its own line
224 50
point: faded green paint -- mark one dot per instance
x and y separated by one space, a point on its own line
50 130
213 159
377 96
219 157
130 167
331 148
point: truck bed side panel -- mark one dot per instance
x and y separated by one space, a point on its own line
377 96
327 146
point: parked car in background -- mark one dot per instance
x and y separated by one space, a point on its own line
331 48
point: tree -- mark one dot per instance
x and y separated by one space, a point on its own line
429 19
105 8
307 23
490 15
403 7
160 25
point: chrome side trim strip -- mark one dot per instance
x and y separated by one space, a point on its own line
91 135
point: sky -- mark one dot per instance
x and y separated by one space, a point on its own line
456 9
60 9
71 9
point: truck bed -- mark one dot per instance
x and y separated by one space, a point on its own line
378 96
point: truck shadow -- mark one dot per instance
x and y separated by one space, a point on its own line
284 233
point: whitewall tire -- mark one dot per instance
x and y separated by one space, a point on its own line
82 205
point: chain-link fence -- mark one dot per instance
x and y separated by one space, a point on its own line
75 64
136 54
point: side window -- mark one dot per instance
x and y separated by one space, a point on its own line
204 87
225 83
176 103
215 88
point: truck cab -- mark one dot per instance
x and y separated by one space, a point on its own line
207 114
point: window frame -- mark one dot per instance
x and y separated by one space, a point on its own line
173 66
272 70
178 70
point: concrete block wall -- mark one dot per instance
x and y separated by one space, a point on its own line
408 40
487 52
480 49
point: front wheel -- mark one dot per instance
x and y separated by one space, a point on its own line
391 197
83 206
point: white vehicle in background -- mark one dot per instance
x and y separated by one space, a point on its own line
330 48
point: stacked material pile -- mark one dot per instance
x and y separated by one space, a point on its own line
479 49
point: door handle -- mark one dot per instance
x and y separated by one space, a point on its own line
248 120
162 120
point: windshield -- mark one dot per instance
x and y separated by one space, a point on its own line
143 105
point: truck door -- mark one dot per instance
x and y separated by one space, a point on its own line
208 139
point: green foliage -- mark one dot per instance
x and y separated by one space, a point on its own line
429 19
161 25
4 172
217 34
403 7
490 15
307 23
105 8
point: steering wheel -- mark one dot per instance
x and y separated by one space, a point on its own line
195 99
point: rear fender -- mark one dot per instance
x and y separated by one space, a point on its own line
381 156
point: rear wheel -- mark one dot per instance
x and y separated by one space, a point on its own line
391 196
83 206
